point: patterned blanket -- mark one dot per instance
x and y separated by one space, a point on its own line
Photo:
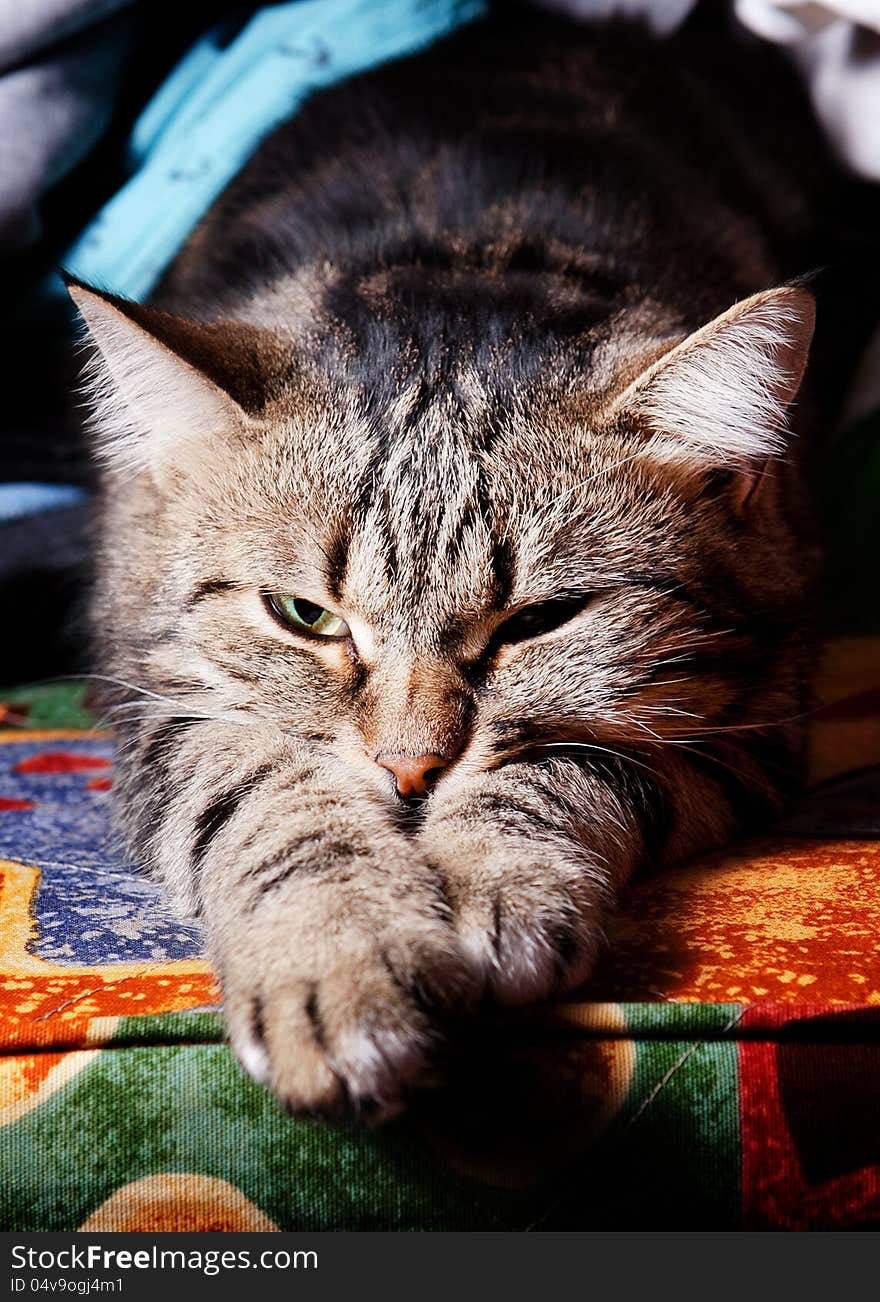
720 1071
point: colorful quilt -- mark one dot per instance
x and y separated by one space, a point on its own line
720 1072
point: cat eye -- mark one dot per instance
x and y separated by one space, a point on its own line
306 617
543 617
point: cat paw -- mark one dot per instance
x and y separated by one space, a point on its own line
349 1032
527 929
525 954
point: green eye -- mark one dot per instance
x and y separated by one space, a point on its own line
305 617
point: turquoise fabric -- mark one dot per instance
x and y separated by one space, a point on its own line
220 101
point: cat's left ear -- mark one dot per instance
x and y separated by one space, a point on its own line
720 398
161 385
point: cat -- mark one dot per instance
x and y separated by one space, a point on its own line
458 551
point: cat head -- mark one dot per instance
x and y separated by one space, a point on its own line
434 569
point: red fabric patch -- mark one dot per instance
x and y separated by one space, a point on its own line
810 1022
7 805
99 784
13 715
61 761
810 1144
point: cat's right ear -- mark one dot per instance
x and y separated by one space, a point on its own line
155 382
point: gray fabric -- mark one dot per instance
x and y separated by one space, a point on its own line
54 106
662 16
29 26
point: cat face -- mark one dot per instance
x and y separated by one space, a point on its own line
436 578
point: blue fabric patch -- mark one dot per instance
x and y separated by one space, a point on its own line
91 906
210 114
21 499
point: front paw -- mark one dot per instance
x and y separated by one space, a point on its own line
529 921
342 1021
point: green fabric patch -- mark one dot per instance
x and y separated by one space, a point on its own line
668 1159
48 705
671 1160
682 1021
180 1108
170 1028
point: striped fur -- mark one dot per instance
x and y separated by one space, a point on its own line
485 396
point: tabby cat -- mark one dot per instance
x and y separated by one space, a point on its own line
457 550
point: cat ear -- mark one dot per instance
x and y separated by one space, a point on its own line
156 380
720 398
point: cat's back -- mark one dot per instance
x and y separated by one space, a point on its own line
524 144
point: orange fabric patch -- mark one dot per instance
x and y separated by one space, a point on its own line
772 921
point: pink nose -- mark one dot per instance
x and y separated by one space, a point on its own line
412 773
